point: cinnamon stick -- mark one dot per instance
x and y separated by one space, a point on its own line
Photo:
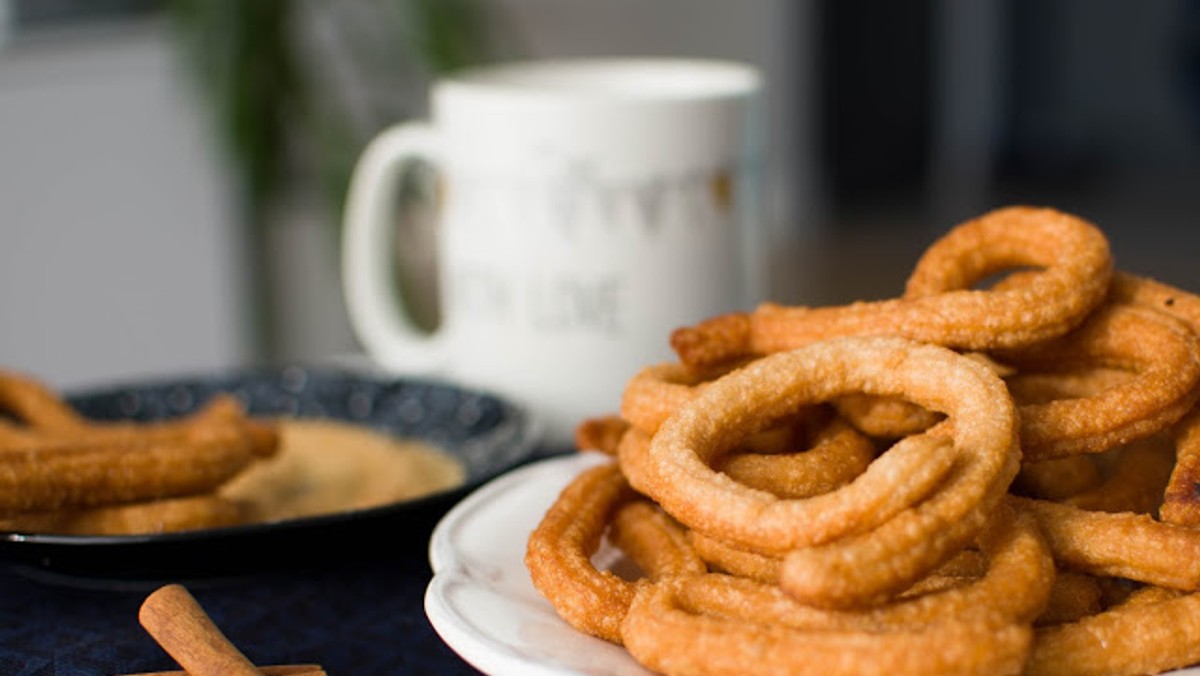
176 621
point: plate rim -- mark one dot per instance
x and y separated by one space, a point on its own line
460 634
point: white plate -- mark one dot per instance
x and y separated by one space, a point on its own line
481 601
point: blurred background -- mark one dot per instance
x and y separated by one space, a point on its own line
171 173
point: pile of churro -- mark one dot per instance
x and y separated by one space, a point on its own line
994 472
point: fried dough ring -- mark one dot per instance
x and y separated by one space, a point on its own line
1181 503
1125 545
893 417
1145 637
1137 480
1064 250
737 559
1162 352
764 568
839 454
1058 478
663 631
558 554
939 306
1037 387
601 434
981 433
1130 288
780 524
678 474
869 568
742 563
885 417
1181 497
1073 597
655 392
657 545
658 390
1014 587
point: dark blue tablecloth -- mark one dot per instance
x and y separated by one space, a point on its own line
356 618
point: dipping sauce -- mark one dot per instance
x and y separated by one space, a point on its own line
326 466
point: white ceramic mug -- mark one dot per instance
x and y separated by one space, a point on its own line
587 208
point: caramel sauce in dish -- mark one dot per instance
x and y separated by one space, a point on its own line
327 466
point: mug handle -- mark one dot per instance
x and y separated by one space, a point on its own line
377 312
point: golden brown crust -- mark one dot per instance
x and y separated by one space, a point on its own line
1025 412
1160 351
939 304
558 554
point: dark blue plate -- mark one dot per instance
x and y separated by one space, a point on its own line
488 434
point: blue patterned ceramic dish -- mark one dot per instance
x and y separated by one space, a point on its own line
487 434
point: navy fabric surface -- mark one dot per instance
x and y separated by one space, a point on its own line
356 618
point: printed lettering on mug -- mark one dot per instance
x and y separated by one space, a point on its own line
577 211
586 209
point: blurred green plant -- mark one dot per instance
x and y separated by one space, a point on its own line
243 59
250 63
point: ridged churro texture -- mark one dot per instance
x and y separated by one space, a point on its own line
995 471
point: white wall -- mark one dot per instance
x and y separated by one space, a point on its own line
117 245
